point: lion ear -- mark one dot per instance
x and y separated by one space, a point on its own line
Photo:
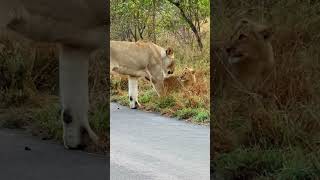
267 33
169 51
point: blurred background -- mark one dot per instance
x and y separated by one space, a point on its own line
29 88
275 133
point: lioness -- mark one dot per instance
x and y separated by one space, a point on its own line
249 54
141 59
183 81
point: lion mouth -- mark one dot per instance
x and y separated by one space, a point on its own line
233 60
238 55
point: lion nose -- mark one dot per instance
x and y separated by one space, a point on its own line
170 72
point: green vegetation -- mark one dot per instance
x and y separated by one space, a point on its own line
164 23
47 121
273 133
186 113
202 115
146 97
268 164
166 102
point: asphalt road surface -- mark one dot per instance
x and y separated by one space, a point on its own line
24 157
149 146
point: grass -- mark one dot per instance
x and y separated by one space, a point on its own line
46 122
166 102
99 120
273 133
147 96
202 115
186 113
255 163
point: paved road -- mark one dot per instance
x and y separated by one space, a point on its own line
46 160
148 146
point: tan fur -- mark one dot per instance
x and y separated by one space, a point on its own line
142 59
249 54
181 82
188 77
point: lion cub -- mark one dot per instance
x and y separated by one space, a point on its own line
248 58
183 81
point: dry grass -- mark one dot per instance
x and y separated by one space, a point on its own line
282 118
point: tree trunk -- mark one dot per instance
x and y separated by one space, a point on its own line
141 30
134 35
154 21
189 21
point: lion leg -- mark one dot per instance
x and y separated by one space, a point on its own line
73 77
158 86
133 92
157 80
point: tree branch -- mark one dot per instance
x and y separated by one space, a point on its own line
189 21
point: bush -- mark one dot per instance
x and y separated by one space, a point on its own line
47 122
255 163
202 115
166 102
186 113
99 119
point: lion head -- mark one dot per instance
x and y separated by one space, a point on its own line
188 76
250 53
168 62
